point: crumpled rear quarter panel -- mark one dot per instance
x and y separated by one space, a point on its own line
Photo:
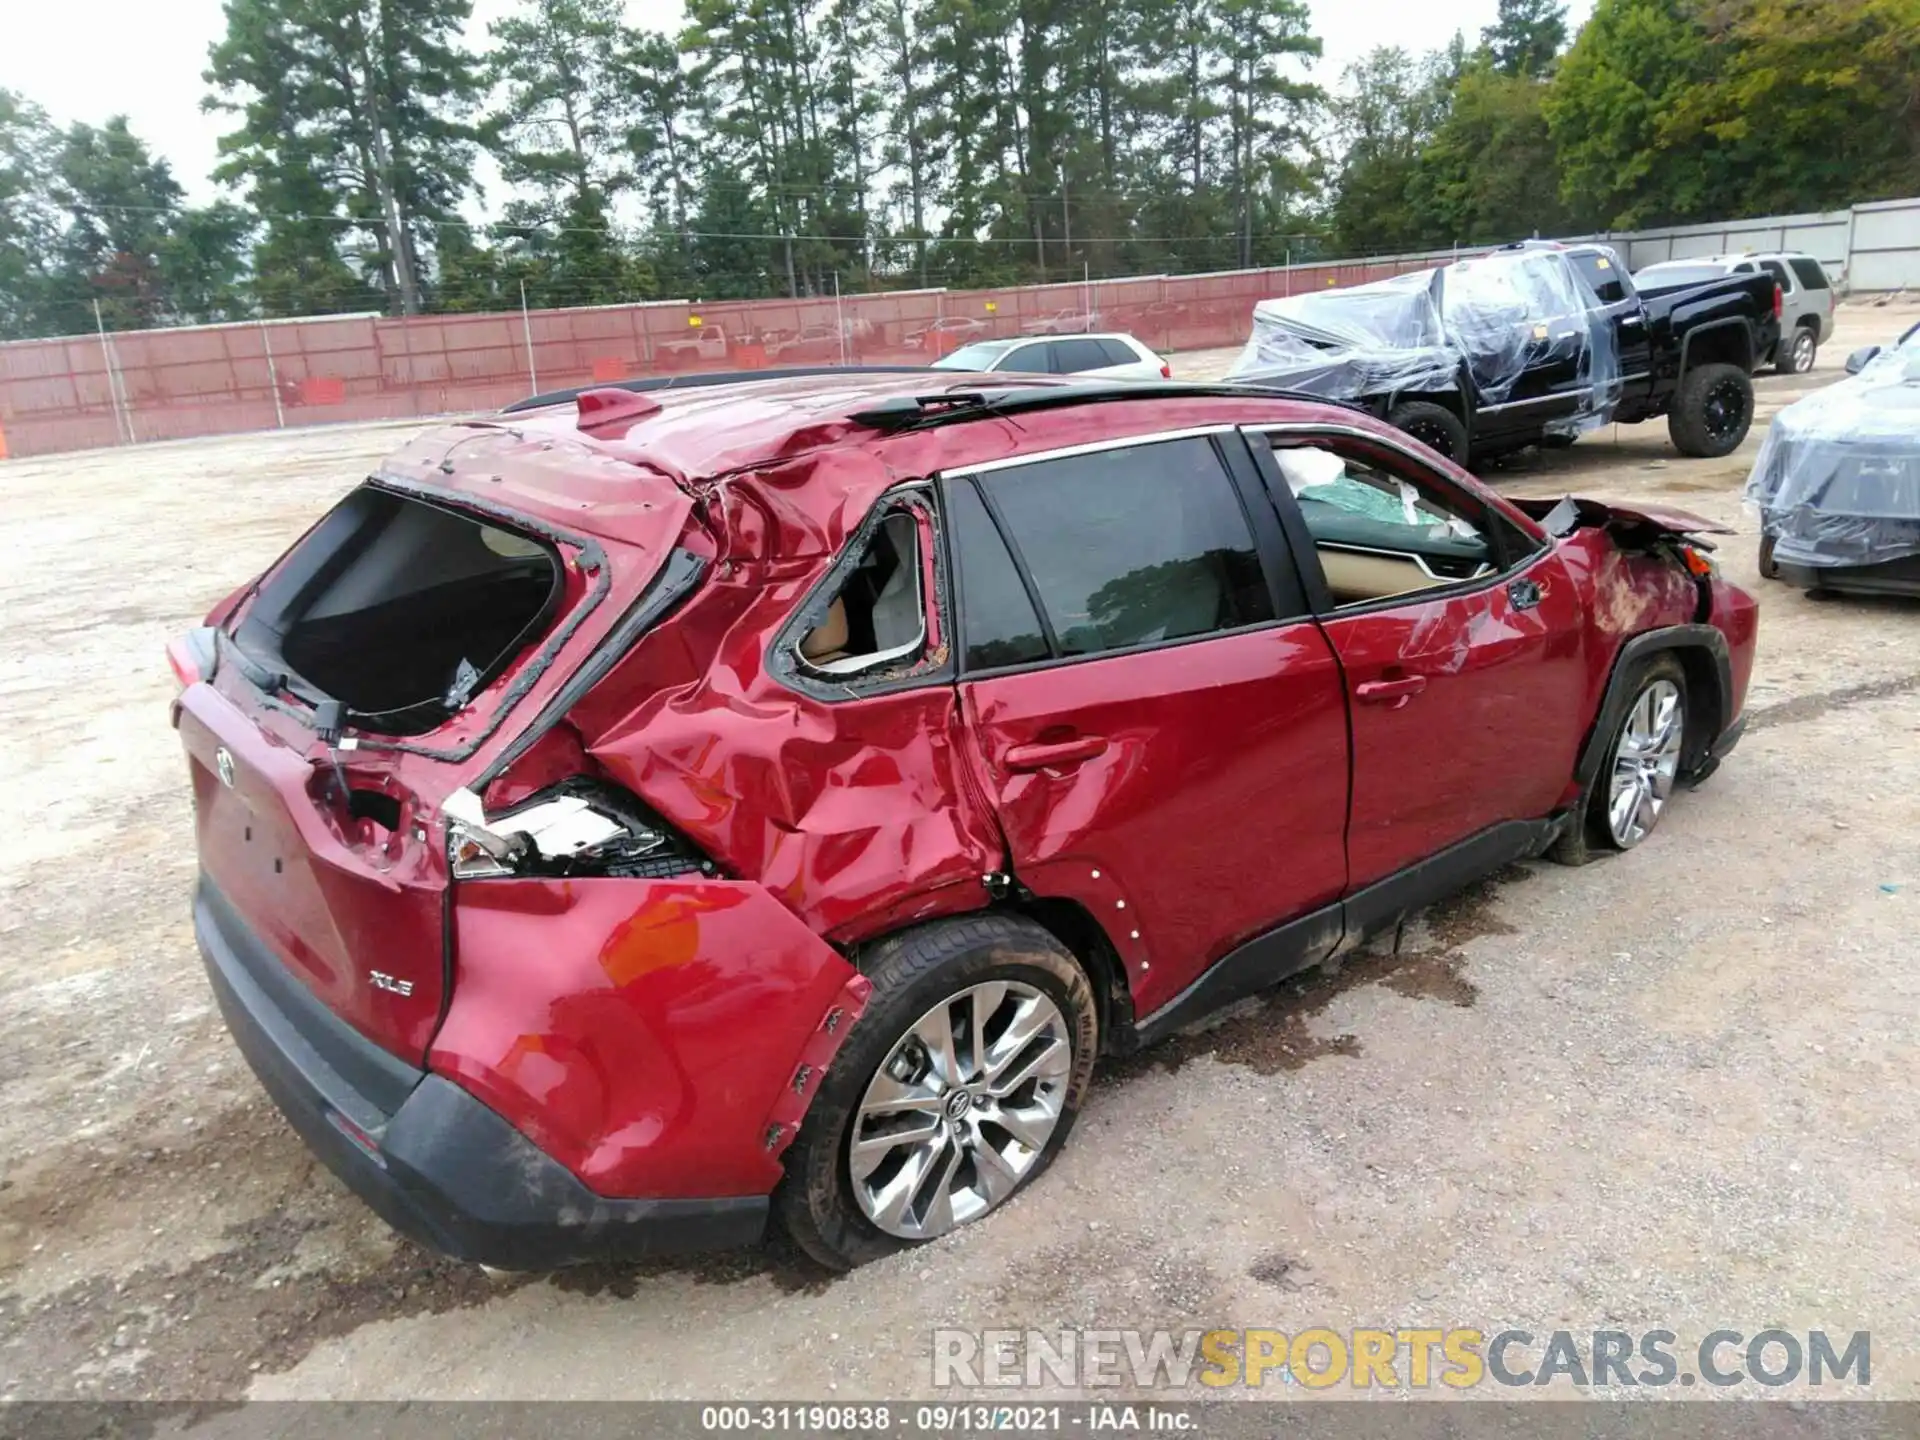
858 811
648 1034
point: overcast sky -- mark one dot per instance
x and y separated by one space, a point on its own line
144 57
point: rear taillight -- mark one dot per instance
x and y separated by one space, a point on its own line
1699 563
1166 371
580 827
194 656
1779 303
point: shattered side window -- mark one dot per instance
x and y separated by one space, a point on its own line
878 616
1376 533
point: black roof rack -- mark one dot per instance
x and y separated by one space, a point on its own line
919 412
707 377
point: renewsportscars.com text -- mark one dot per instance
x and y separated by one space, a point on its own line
1420 1358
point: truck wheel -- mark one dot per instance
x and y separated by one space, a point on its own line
1794 354
1434 426
953 1092
1713 410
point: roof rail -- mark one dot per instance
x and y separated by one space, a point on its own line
704 378
920 412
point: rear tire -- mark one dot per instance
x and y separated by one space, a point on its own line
967 965
1713 411
1795 352
1434 426
1637 775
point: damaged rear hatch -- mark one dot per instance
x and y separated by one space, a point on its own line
438 618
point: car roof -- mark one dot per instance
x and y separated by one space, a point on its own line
815 449
1731 259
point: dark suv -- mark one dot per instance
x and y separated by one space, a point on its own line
626 818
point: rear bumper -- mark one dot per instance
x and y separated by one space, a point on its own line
428 1158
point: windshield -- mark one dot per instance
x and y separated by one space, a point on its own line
978 356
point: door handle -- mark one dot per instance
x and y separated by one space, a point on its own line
1059 752
1394 693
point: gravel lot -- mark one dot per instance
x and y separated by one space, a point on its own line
1672 1090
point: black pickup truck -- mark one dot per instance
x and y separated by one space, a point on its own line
1528 345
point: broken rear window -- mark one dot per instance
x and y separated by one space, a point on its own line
401 609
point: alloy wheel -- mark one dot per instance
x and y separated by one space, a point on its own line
1645 762
960 1110
1801 355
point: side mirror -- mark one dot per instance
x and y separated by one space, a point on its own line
1859 359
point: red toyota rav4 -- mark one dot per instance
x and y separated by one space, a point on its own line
635 814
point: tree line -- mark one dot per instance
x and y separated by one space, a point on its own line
789 147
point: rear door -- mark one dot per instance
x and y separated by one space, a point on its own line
1459 635
336 856
1159 724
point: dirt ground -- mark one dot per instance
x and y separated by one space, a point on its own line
1673 1089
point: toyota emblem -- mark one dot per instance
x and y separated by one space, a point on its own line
223 765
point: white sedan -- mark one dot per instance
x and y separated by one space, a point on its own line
1115 357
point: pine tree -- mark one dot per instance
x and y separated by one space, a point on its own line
361 105
1527 36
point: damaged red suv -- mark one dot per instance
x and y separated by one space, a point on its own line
635 815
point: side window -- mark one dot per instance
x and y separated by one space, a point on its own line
1117 353
1033 358
1779 272
996 615
1601 273
1133 546
1379 534
1810 273
1072 356
878 616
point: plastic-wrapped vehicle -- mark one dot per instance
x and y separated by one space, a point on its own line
1837 482
1528 345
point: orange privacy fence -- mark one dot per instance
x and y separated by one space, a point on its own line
135 386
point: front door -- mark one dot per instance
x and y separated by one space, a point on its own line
1458 632
1159 724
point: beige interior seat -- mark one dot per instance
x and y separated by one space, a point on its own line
827 641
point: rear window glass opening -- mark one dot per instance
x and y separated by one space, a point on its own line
401 609
878 617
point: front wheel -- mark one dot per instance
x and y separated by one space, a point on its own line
955 1090
1712 412
1643 761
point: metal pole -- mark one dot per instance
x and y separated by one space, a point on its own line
122 428
1086 303
1066 219
1286 282
526 331
839 317
273 378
